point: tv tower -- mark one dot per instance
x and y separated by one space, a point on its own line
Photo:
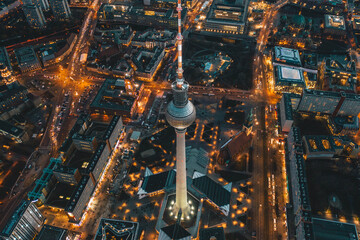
180 114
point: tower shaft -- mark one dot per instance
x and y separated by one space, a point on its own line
181 187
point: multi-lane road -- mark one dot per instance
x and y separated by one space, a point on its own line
263 219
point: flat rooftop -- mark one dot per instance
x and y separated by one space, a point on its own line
60 195
335 22
113 96
228 11
10 129
287 55
289 75
51 233
4 57
207 233
146 59
159 181
26 55
78 158
333 230
155 35
333 189
11 223
111 229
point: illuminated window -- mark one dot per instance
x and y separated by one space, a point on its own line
85 164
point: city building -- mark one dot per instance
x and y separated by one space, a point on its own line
42 185
51 54
297 184
310 61
334 25
121 35
350 106
296 30
337 73
123 69
174 231
216 194
334 230
6 75
286 56
154 184
4 58
329 103
329 146
288 79
52 233
344 125
234 147
13 132
227 17
327 6
14 98
117 229
118 97
41 4
27 59
152 38
319 101
212 233
25 222
69 180
128 14
286 111
60 9
34 15
79 3
146 62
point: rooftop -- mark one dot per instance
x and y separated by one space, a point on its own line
335 22
4 57
214 191
51 233
212 233
145 59
26 55
77 193
10 129
60 195
287 55
289 75
111 229
228 11
333 230
175 232
113 96
155 35
159 181
16 216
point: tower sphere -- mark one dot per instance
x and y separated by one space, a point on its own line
180 117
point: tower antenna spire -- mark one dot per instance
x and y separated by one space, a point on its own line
180 79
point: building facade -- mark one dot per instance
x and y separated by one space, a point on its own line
34 16
60 9
25 222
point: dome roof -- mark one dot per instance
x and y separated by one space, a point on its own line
299 20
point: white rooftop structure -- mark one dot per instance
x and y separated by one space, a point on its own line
135 136
335 22
290 73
